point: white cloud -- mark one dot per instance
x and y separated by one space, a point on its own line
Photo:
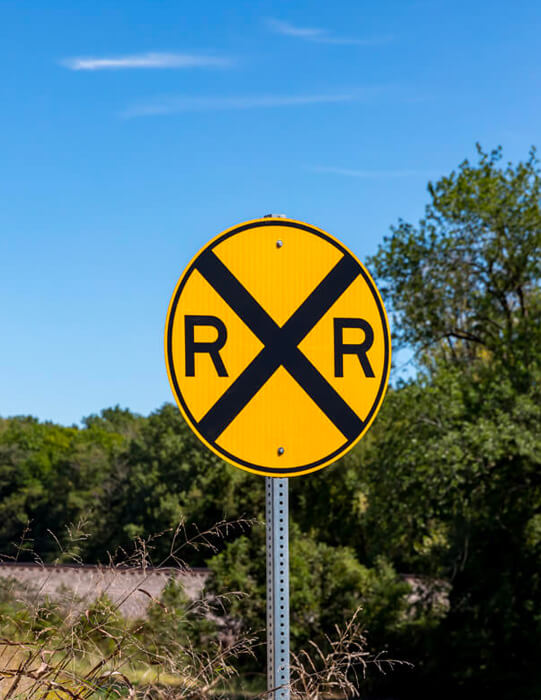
371 173
289 30
321 36
147 60
175 105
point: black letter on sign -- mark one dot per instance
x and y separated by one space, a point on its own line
359 349
213 349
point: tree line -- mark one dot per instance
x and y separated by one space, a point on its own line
445 487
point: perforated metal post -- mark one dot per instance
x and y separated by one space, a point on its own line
277 513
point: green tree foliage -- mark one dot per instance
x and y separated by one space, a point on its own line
328 584
454 487
50 477
467 277
119 477
167 477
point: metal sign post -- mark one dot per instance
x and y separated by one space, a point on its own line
277 512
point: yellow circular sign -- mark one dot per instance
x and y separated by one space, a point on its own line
277 347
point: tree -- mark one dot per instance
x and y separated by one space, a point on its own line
466 279
453 476
51 477
165 477
328 584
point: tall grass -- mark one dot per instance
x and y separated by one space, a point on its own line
67 647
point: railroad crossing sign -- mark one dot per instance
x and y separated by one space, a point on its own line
277 347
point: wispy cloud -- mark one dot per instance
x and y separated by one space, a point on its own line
146 60
290 30
372 173
177 104
321 36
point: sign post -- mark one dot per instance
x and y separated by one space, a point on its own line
277 512
278 352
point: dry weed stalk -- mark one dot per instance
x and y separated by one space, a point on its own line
336 670
56 649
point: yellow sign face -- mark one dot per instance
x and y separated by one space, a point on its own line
277 347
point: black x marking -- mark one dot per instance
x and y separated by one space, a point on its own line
280 346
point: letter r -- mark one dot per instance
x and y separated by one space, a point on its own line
213 348
359 349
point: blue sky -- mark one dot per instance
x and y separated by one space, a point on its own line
132 132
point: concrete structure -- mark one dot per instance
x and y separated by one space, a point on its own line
79 585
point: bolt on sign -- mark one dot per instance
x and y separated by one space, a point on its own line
277 347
